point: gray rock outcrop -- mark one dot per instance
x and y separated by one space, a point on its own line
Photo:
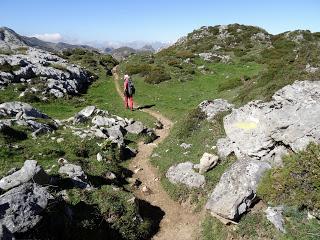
55 76
30 172
184 173
11 109
212 108
236 190
21 207
266 131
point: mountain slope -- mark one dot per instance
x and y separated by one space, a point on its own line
11 38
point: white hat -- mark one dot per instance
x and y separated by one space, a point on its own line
126 76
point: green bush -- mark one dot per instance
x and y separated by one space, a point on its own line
142 69
6 67
184 54
157 75
30 97
297 183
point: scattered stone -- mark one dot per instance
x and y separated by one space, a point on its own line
184 173
158 125
154 155
207 162
236 190
212 108
62 161
186 145
274 215
110 176
146 190
30 172
99 157
137 170
76 173
60 140
87 111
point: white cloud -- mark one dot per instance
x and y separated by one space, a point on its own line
49 37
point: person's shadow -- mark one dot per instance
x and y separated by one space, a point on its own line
145 106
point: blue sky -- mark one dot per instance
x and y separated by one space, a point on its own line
149 20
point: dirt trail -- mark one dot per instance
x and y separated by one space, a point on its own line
179 222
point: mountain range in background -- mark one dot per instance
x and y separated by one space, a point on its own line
119 50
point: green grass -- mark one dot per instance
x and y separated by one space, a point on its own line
297 183
202 140
175 98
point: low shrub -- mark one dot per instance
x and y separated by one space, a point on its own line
6 67
141 68
157 75
184 54
297 183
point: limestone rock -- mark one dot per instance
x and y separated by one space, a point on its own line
274 215
236 190
30 171
76 173
184 173
88 111
211 108
11 109
207 162
21 207
266 131
135 128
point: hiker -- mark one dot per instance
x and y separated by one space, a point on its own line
128 91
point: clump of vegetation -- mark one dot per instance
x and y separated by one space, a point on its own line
6 51
122 215
157 75
59 67
140 68
22 50
297 183
6 67
191 123
30 97
11 134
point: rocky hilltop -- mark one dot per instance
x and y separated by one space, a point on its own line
12 36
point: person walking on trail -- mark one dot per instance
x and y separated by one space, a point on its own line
128 91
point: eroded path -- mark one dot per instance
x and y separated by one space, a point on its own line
179 222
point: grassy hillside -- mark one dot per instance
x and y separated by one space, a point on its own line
246 63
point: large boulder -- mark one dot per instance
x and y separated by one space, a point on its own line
236 190
30 172
11 109
267 131
184 173
21 207
212 108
